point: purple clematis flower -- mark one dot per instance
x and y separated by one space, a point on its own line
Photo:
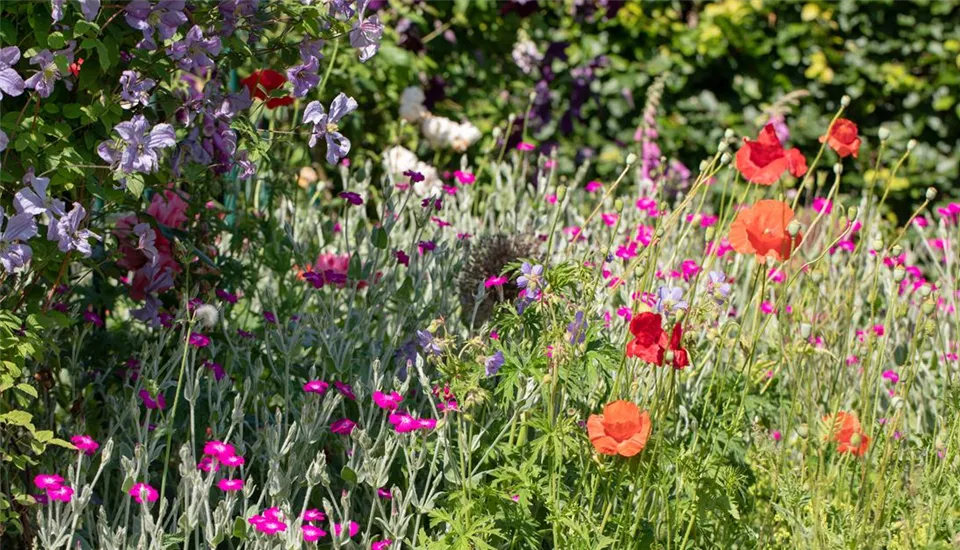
90 9
304 77
311 48
366 34
14 253
33 198
194 51
138 147
163 17
146 241
325 125
43 80
134 89
70 235
10 81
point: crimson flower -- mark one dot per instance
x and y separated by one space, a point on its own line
765 160
261 83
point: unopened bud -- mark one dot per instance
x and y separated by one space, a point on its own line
852 212
911 145
511 117
924 291
896 250
659 233
680 314
722 148
703 165
838 168
816 276
561 192
805 330
899 274
728 133
496 132
931 193
618 205
668 357
532 95
631 159
877 243
709 233
802 430
845 100
928 307
793 228
725 158
883 134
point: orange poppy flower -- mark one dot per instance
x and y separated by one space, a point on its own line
843 138
621 430
762 230
765 160
845 430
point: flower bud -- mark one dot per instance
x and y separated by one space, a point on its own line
709 233
618 205
805 330
899 274
883 134
668 356
911 145
496 132
631 159
838 168
816 276
877 242
852 212
924 291
793 228
703 165
725 158
722 148
561 192
532 95
680 314
317 471
928 307
896 250
728 133
802 430
845 100
931 193
659 233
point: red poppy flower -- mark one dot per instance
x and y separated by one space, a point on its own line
621 430
843 138
845 430
75 67
649 338
261 83
765 160
762 230
680 358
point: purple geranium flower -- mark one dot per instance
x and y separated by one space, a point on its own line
69 234
717 286
134 89
14 253
493 363
194 51
577 329
669 299
530 277
43 80
304 77
10 81
138 147
366 35
90 9
428 343
163 17
325 125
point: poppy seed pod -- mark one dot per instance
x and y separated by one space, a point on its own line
725 158
631 159
911 145
883 134
852 212
805 330
899 274
729 133
709 233
838 168
845 100
928 307
924 291
896 250
722 147
931 193
703 165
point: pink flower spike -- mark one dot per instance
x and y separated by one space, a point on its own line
85 444
495 281
143 490
354 528
316 386
63 493
312 533
47 481
344 426
230 485
387 401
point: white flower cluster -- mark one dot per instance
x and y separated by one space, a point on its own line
398 160
441 132
411 104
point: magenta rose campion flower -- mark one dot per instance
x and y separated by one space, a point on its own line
85 444
143 491
316 386
344 426
388 401
230 485
47 481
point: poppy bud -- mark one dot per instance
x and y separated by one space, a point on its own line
725 158
877 242
793 228
931 193
703 165
668 356
805 330
722 148
924 291
728 133
659 233
896 250
816 276
845 100
928 307
631 159
709 233
883 134
899 274
561 192
802 430
852 212
911 145
838 168
618 205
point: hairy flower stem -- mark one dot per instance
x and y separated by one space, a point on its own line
173 408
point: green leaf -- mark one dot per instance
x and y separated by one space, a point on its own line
56 41
348 475
27 389
379 238
18 418
85 27
135 184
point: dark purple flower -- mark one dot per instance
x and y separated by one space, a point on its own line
304 77
351 197
134 89
427 342
10 81
69 234
226 296
426 246
216 368
343 426
138 147
198 340
345 389
415 177
163 17
402 258
194 51
577 329
325 125
270 317
92 318
244 334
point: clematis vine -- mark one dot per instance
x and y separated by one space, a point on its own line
325 125
138 148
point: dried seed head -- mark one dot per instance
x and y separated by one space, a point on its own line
207 315
486 258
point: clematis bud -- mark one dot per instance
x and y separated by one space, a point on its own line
883 134
931 193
